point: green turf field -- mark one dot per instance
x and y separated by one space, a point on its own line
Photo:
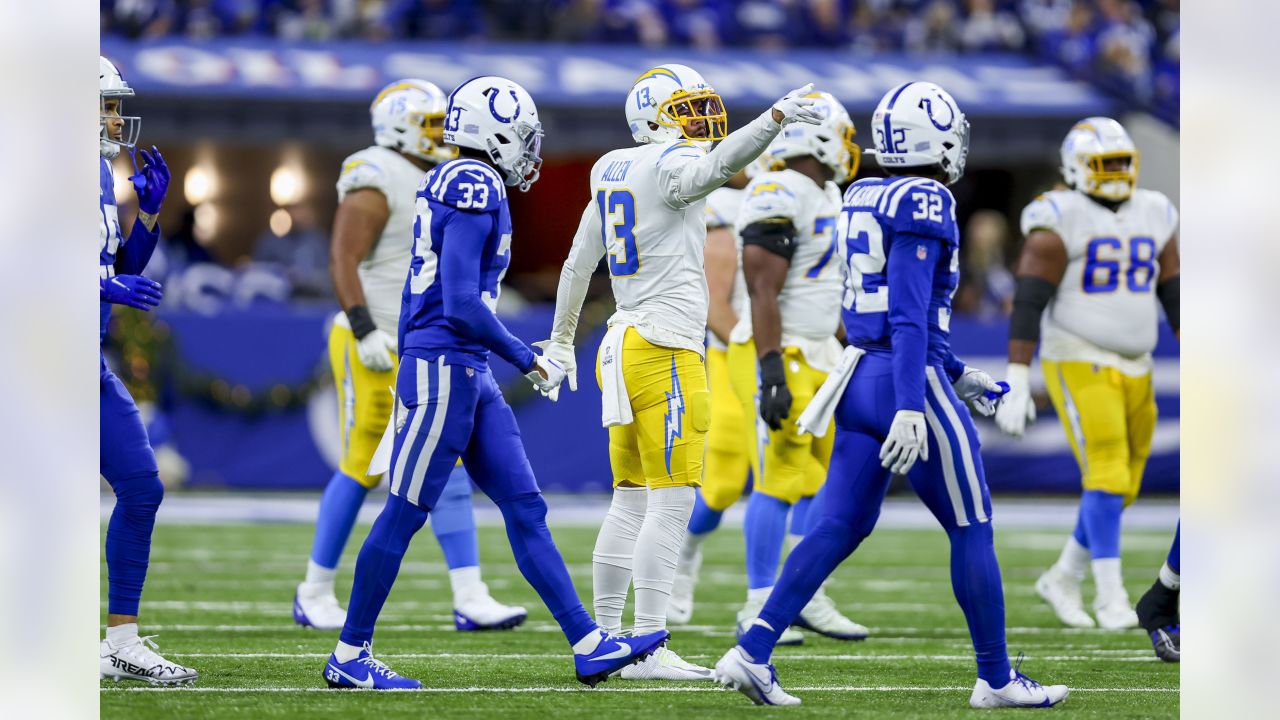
219 596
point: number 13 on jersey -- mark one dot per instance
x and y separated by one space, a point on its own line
617 231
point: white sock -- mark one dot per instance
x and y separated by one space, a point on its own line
1074 560
121 635
466 584
320 578
792 541
759 595
692 544
1169 578
614 554
345 653
588 643
1109 582
657 550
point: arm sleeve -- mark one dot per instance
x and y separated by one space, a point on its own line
135 253
460 285
954 366
910 277
575 276
688 176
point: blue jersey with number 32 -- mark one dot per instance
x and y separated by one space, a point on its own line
899 239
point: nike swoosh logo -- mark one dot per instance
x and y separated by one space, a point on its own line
116 281
622 651
366 683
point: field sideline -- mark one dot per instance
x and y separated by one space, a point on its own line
219 596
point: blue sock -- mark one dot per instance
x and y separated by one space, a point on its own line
975 580
1174 559
339 506
704 519
129 540
800 516
1079 534
764 529
378 564
541 564
454 522
1100 512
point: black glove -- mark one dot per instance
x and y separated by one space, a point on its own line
775 398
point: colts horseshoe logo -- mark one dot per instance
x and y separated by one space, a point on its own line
928 108
493 97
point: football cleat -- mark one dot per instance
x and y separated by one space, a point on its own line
1020 692
822 616
480 611
664 664
317 608
1115 614
137 659
750 611
1167 643
1157 612
680 607
1062 592
758 681
365 673
614 653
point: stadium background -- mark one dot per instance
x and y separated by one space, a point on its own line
256 102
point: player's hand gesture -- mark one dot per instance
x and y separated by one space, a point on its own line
151 181
980 391
906 443
1016 409
775 396
794 106
562 353
546 376
376 351
135 291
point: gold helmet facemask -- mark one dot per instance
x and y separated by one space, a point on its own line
685 107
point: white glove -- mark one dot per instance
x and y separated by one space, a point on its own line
907 441
562 353
975 388
376 351
1016 408
546 375
795 106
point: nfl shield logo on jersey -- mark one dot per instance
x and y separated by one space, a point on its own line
921 252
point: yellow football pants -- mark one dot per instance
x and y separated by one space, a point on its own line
1109 417
729 446
664 445
364 405
787 465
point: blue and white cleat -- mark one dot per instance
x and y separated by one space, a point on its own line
481 612
614 653
758 681
823 617
317 607
1020 692
365 673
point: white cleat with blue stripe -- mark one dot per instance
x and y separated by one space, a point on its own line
1020 692
758 681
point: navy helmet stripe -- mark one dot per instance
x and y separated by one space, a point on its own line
888 111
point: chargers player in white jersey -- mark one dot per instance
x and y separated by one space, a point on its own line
647 214
787 228
448 405
1098 261
372 239
899 400
125 456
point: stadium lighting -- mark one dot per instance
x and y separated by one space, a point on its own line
287 185
281 222
199 185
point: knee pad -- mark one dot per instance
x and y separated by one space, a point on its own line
843 534
144 492
700 410
527 510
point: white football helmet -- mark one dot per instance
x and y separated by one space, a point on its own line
1086 151
666 100
113 87
830 141
496 116
918 124
408 116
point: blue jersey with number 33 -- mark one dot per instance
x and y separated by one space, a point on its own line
899 238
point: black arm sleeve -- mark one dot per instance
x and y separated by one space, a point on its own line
777 235
1169 293
1029 301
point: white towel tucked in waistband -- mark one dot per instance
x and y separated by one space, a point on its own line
817 415
615 403
381 460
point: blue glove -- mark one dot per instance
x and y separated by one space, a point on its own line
133 290
152 181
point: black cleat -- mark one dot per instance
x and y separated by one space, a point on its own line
1158 615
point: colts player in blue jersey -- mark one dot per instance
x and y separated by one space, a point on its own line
125 456
448 405
903 407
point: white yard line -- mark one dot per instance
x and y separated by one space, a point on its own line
786 656
665 689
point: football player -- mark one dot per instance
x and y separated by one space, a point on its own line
796 283
902 409
648 208
125 456
372 239
1096 260
1158 607
448 404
